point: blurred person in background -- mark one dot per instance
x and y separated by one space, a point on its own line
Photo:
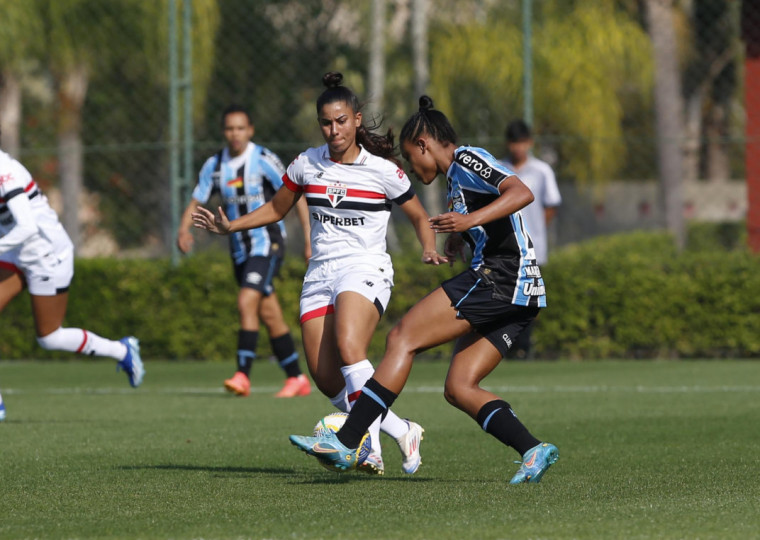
349 184
539 177
246 176
37 253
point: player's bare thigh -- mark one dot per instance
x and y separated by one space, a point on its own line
432 321
10 285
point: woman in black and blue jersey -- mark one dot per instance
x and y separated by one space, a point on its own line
484 308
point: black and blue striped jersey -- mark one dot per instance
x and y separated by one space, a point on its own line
245 183
501 250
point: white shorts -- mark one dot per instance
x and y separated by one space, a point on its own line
325 281
45 275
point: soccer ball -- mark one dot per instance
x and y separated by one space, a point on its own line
332 424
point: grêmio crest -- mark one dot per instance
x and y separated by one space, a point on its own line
335 194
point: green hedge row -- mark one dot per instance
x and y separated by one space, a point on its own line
625 296
634 296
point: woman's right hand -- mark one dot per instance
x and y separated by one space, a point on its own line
205 219
453 247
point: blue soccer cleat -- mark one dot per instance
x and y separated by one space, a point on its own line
327 449
535 463
132 363
2 409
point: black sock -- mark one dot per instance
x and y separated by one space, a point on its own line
247 341
497 418
375 400
287 356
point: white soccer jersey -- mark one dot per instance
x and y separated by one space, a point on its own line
349 204
45 257
15 177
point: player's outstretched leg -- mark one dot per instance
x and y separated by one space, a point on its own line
535 463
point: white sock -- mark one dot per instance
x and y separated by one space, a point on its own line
393 425
84 342
341 401
356 376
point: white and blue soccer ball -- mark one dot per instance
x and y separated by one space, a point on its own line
332 423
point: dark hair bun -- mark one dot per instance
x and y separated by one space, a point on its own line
332 79
426 103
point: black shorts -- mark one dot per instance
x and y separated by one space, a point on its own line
258 273
498 321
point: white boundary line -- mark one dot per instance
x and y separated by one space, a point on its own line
564 389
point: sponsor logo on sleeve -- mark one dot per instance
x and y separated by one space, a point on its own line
480 166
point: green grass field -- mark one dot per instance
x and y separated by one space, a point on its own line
648 450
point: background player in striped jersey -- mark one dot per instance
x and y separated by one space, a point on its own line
349 184
247 175
36 252
483 308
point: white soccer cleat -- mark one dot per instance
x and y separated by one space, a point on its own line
372 465
409 444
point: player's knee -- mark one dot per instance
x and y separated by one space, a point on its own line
400 341
450 393
51 341
352 350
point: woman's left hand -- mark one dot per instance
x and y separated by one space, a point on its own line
450 222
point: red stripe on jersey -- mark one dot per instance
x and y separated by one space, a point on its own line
358 193
319 312
30 186
11 268
292 186
354 396
84 341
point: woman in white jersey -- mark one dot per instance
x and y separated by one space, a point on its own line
36 252
349 184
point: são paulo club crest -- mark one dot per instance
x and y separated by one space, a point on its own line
335 194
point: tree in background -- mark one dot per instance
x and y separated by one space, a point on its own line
587 56
19 49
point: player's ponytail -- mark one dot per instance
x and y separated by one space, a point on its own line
428 120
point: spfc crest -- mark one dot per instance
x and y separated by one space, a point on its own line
335 194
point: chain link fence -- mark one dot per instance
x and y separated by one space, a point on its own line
84 100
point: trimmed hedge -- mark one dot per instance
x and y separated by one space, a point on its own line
626 296
633 295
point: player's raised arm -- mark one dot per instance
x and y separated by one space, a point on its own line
271 212
514 195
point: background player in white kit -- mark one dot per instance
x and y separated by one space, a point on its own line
36 252
349 184
540 179
247 175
